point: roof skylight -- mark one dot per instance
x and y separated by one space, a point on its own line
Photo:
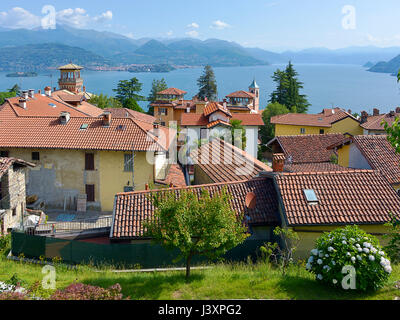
310 196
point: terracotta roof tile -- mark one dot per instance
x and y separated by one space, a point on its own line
172 91
344 197
240 94
306 148
212 107
175 177
132 209
218 122
314 167
128 113
196 119
374 122
223 162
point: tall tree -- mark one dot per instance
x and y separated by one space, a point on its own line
207 84
156 86
132 104
195 225
287 90
16 88
129 89
103 101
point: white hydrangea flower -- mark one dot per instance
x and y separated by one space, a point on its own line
314 252
320 277
348 254
359 257
388 269
334 281
367 244
330 249
344 238
373 250
308 266
366 250
381 253
357 245
327 256
333 262
311 259
344 242
353 259
319 261
321 254
360 249
371 257
352 239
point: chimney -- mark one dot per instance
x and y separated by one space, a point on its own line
225 104
31 93
349 111
375 112
25 94
392 113
47 91
84 89
22 103
364 116
40 91
54 89
106 116
156 129
278 162
64 117
398 110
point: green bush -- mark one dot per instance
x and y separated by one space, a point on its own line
345 248
5 244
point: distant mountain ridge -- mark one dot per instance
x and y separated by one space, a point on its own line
392 66
113 49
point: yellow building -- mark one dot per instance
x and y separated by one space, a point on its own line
96 157
328 121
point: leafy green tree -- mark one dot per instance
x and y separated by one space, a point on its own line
16 88
6 95
207 84
129 89
287 90
239 140
156 86
132 104
103 101
267 131
204 225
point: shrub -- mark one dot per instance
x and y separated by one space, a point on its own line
349 247
393 247
12 295
5 243
80 291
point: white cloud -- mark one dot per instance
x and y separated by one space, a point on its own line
193 34
193 25
170 33
104 17
218 24
77 18
19 18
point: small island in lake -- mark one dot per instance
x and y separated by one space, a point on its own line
151 68
22 74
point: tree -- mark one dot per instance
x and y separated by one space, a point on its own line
6 95
157 86
204 225
16 89
207 85
103 101
267 131
132 104
239 140
129 89
287 91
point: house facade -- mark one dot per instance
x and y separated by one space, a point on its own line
12 193
328 121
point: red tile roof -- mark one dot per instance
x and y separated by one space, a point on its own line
193 119
374 122
48 132
323 119
223 162
349 197
6 163
172 91
196 119
249 119
175 177
240 94
212 107
314 167
132 209
218 122
380 155
306 148
128 113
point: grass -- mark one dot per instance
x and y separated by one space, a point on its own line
223 281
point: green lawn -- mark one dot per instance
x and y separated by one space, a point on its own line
223 281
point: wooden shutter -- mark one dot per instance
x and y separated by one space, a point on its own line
90 192
89 161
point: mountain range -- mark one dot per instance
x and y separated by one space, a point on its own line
25 50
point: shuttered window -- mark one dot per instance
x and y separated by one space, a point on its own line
90 192
128 162
89 161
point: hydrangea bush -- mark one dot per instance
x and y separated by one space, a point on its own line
349 246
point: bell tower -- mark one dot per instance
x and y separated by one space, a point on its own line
70 78
255 89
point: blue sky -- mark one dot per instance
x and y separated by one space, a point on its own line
268 24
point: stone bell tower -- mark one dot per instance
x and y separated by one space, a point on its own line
70 78
255 89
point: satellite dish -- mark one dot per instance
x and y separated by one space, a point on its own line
251 200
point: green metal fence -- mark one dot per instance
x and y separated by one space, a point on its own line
145 255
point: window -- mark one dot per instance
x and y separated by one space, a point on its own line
203 133
4 154
310 196
90 192
321 131
302 130
89 161
14 212
128 189
163 123
36 156
128 162
162 111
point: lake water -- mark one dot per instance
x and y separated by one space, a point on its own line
345 86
